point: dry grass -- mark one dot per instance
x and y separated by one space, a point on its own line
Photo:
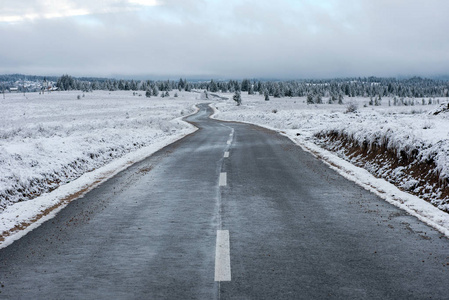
405 170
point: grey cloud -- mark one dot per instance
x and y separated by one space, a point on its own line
238 39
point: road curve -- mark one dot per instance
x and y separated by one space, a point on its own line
288 227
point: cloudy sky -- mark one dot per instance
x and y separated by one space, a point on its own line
224 38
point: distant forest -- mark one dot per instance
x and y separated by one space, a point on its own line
335 89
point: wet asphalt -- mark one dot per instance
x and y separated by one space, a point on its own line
297 229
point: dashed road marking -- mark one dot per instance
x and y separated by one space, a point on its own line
229 142
222 180
222 256
226 154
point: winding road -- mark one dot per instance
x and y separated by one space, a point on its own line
232 211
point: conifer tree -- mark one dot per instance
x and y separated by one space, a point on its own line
155 91
310 99
237 98
267 97
340 99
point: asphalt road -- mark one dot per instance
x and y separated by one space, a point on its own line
288 227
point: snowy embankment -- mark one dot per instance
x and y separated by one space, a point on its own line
411 151
405 145
59 141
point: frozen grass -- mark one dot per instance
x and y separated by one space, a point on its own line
52 139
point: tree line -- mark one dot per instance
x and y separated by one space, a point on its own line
415 87
314 90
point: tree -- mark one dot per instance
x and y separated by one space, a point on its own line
213 87
155 91
310 99
250 90
340 99
66 83
237 98
181 84
245 85
378 101
267 97
148 93
277 92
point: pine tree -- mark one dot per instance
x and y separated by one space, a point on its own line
250 90
340 99
245 85
237 98
378 101
155 91
213 86
277 92
181 84
310 99
267 97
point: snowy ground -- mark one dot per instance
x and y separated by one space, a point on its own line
407 130
57 140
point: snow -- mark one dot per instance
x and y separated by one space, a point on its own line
55 147
412 129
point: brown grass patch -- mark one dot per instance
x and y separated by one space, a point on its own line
397 168
62 202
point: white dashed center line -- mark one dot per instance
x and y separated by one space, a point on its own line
222 257
226 154
222 180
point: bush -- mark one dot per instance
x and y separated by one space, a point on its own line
352 107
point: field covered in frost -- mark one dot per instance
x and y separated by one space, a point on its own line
51 139
406 144
55 140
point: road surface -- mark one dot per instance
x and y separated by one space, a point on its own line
232 211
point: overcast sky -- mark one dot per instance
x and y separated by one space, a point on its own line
225 38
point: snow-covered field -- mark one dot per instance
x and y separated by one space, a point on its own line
75 141
51 140
411 135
